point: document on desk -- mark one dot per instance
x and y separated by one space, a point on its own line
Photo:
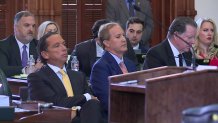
128 82
21 110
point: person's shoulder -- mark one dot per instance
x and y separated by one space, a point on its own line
160 46
84 44
8 39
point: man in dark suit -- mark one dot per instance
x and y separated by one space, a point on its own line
89 51
180 38
134 30
11 48
49 83
111 63
119 11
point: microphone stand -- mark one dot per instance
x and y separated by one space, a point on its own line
137 8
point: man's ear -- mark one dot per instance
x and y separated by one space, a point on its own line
45 55
106 43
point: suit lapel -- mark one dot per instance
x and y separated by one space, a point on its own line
74 82
92 53
15 51
170 56
32 49
112 62
53 78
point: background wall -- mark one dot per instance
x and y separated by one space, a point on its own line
207 8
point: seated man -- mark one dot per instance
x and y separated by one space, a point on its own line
112 61
66 88
175 49
89 51
16 49
134 30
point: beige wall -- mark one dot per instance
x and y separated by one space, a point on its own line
207 8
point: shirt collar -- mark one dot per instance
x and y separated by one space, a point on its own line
175 51
118 60
20 45
55 68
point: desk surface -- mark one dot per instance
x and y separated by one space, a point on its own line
15 84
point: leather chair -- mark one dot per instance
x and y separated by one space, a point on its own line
205 114
4 89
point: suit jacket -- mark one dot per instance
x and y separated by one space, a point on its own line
162 55
143 48
45 85
106 66
117 11
10 59
86 54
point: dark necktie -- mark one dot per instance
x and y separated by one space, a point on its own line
24 56
180 60
131 9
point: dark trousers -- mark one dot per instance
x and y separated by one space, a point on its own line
90 113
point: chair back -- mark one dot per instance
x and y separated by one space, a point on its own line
4 89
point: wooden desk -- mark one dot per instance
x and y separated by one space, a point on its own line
53 115
127 101
162 98
15 84
167 96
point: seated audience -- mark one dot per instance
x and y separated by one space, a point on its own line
47 26
54 83
175 49
206 42
91 50
16 49
112 62
134 30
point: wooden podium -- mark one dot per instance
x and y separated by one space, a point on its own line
167 96
127 101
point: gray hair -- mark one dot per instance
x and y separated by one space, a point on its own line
42 27
21 14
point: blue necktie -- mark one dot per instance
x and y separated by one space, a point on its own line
24 56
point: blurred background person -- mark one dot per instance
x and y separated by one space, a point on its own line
134 30
206 45
121 10
47 26
16 49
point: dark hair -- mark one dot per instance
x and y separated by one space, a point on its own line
42 45
96 26
21 14
179 25
133 20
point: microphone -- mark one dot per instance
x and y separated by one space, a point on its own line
192 51
137 8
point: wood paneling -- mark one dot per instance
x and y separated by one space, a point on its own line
164 11
76 17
